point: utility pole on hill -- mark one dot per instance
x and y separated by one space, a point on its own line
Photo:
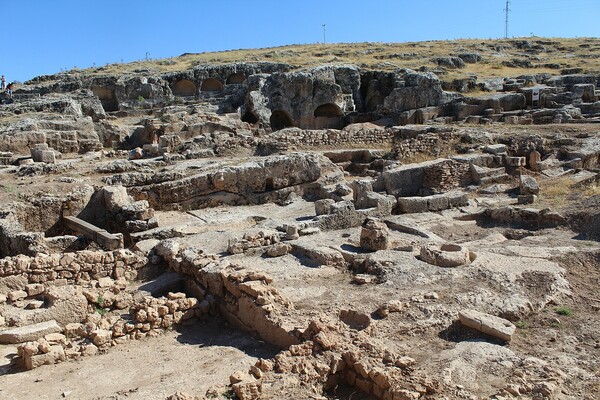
507 10
324 25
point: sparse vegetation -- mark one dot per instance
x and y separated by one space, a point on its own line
101 311
230 395
521 324
563 310
391 56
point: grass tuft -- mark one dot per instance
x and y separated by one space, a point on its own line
563 310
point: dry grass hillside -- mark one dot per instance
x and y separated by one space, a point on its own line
500 57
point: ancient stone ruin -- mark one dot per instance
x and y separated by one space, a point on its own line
374 234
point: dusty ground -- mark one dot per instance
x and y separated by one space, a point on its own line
193 359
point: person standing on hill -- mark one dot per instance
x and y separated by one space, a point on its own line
3 83
9 90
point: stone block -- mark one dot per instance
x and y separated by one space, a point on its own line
374 235
34 289
323 206
488 324
55 355
437 203
457 199
447 255
515 162
16 295
47 156
495 148
29 333
528 185
412 204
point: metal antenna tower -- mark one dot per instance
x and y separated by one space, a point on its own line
507 10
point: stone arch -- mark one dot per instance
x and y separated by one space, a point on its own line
249 117
236 79
328 110
107 98
211 85
280 120
184 87
329 116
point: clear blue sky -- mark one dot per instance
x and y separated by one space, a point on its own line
46 36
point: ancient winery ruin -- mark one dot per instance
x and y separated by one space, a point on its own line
265 230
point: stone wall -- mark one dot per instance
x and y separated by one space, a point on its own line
360 134
429 143
73 267
244 297
442 177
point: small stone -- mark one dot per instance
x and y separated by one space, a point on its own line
404 362
528 185
17 295
431 296
105 282
291 232
101 337
56 338
238 376
362 279
88 350
34 304
279 249
34 289
395 306
383 311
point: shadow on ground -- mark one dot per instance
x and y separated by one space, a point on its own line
215 332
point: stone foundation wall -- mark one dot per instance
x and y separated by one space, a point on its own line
448 175
425 143
76 267
333 137
244 297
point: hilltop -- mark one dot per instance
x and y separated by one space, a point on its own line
493 57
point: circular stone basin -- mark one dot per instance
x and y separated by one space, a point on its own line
447 255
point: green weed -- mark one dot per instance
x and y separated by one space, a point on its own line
563 310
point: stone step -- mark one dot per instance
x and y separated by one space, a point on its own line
503 178
29 333
480 172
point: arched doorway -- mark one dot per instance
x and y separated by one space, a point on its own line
211 85
184 87
236 79
328 116
280 120
107 98
374 102
249 117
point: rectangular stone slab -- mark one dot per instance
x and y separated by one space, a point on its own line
488 324
29 333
